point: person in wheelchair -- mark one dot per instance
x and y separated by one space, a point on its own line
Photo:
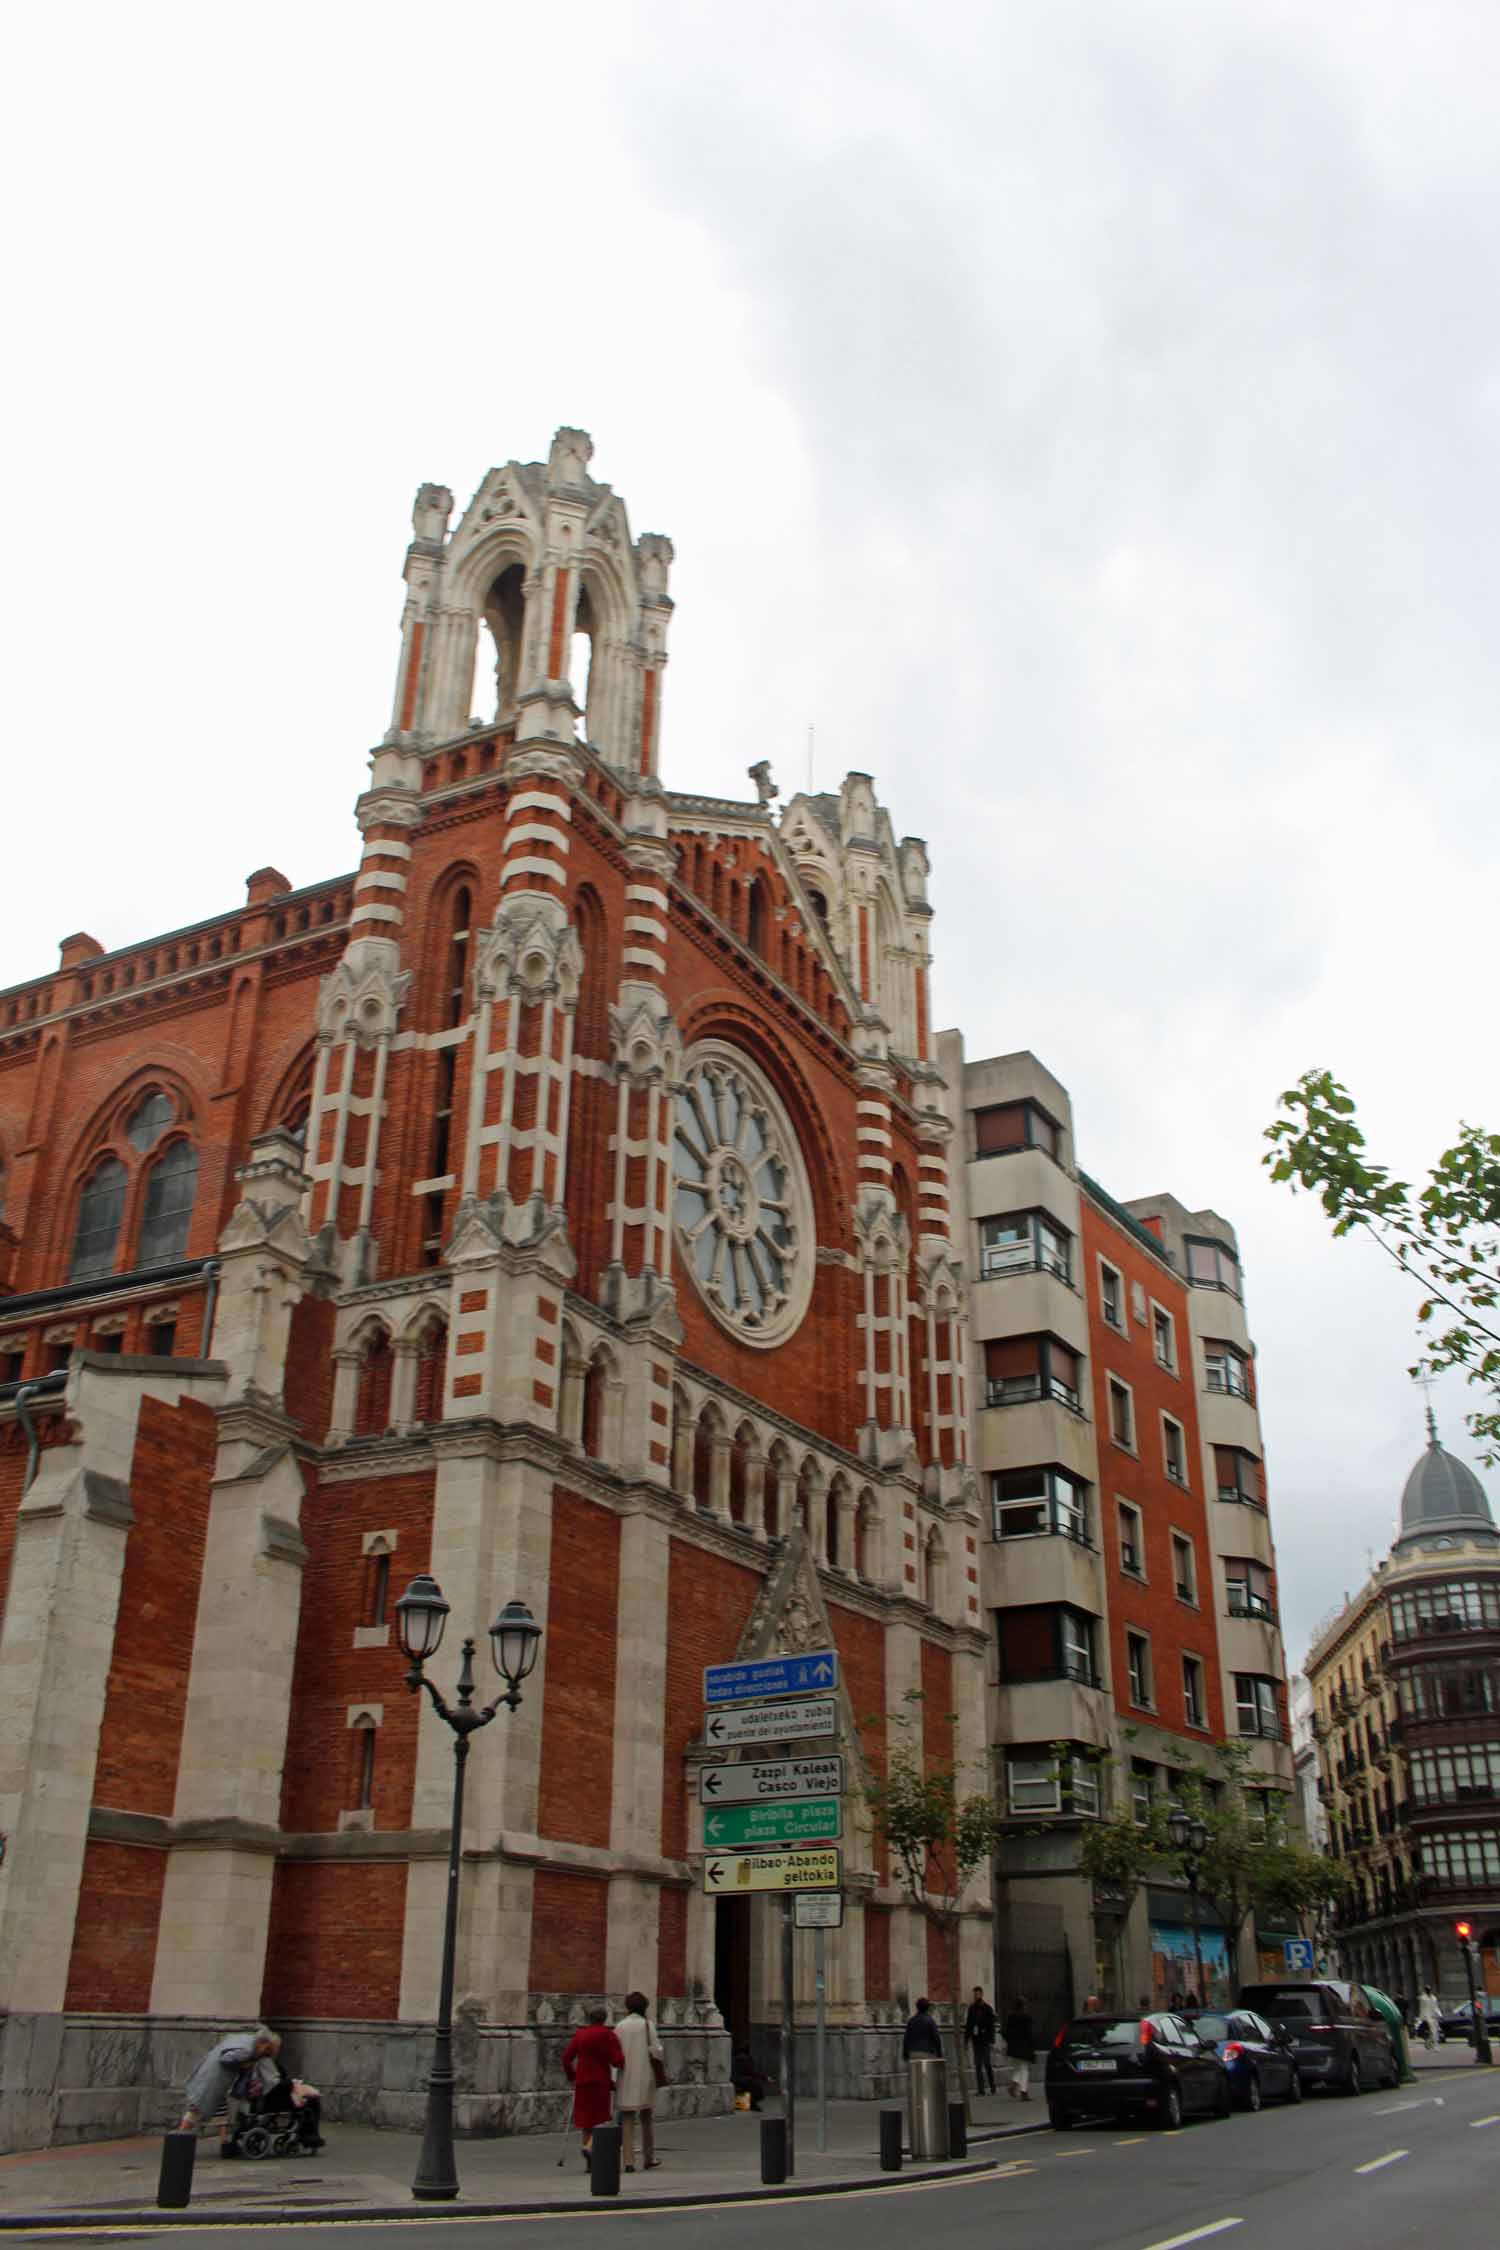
280 2116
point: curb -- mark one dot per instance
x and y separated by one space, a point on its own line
350 2214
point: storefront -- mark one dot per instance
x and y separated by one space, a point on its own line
1175 1955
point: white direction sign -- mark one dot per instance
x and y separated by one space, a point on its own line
804 1721
756 1784
818 1910
814 1867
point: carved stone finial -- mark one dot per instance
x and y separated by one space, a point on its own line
765 781
568 462
430 512
654 556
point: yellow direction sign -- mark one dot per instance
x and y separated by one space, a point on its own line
728 1874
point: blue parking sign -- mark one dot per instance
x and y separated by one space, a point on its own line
1299 1956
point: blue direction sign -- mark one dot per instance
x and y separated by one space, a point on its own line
814 1674
1298 1953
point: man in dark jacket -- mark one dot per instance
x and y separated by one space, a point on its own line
1019 2033
979 2030
922 2036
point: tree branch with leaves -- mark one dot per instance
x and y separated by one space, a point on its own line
1444 1237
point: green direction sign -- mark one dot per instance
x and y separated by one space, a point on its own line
729 1827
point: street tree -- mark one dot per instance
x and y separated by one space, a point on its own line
1444 1236
938 1837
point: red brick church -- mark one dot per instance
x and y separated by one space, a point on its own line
558 1203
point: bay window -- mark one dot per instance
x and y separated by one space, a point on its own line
1038 1503
1024 1242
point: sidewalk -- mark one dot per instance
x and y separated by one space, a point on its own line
365 2171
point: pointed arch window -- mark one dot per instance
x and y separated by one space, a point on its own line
149 1120
170 1187
101 1207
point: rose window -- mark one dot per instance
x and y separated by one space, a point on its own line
740 1202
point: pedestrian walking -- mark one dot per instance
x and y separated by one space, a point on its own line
922 2036
644 2070
979 2030
1430 2011
242 2064
1019 2033
589 2061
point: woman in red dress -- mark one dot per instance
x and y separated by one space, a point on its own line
590 2059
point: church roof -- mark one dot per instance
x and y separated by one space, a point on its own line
1442 1494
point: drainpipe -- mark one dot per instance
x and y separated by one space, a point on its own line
210 1303
33 1442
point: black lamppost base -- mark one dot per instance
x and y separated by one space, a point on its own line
437 2173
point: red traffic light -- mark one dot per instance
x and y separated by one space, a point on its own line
1463 1931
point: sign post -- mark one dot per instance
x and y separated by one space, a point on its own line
767 1780
813 1820
1298 1952
788 2038
773 1722
813 1867
820 1987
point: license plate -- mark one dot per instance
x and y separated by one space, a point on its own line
1096 2066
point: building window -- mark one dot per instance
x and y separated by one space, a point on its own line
161 1338
1194 1706
1457 1775
12 1367
1256 1706
1021 1369
1212 1265
364 1777
1035 1503
1184 1569
1227 1369
1121 1414
377 1587
1112 1296
1033 1785
149 1120
101 1207
1024 1242
1138 1667
1173 1450
1132 1540
1248 1585
1008 1126
1461 1605
1142 1790
1047 1642
1461 1855
170 1187
1238 1477
1435 1691
1164 1339
1083 1786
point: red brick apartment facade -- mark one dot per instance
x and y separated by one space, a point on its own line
1127 1573
560 1203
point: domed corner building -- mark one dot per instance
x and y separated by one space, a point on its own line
1406 1689
558 1203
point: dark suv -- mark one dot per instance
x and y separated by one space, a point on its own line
1339 2039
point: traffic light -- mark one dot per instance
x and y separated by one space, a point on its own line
1463 1931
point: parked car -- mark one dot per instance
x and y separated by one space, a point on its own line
1141 2066
1260 2059
1458 2023
1337 2037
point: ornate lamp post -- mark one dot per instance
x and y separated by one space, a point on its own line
1190 1842
421 1615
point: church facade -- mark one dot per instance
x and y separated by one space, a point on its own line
559 1203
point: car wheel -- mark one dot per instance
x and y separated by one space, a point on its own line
1058 2118
1171 2107
1252 2093
1294 2090
1354 2084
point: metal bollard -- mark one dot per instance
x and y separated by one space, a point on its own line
958 2130
772 2151
892 2133
174 2187
604 2161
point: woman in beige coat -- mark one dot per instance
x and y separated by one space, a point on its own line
635 2089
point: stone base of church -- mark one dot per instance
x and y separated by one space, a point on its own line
76 2077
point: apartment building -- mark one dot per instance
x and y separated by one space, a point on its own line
1126 1568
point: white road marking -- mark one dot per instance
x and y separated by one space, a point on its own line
1380 2162
1175 2241
1476 2122
1428 2101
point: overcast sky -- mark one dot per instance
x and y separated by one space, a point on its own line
1083 416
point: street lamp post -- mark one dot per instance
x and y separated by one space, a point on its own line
1190 1841
421 1615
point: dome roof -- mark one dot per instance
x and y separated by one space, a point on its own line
1443 1494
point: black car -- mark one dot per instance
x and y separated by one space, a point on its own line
1337 2036
1261 2060
1458 2021
1138 2066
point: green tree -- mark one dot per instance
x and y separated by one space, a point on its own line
1445 1236
1250 1863
938 1837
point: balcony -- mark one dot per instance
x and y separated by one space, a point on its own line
1242 1603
